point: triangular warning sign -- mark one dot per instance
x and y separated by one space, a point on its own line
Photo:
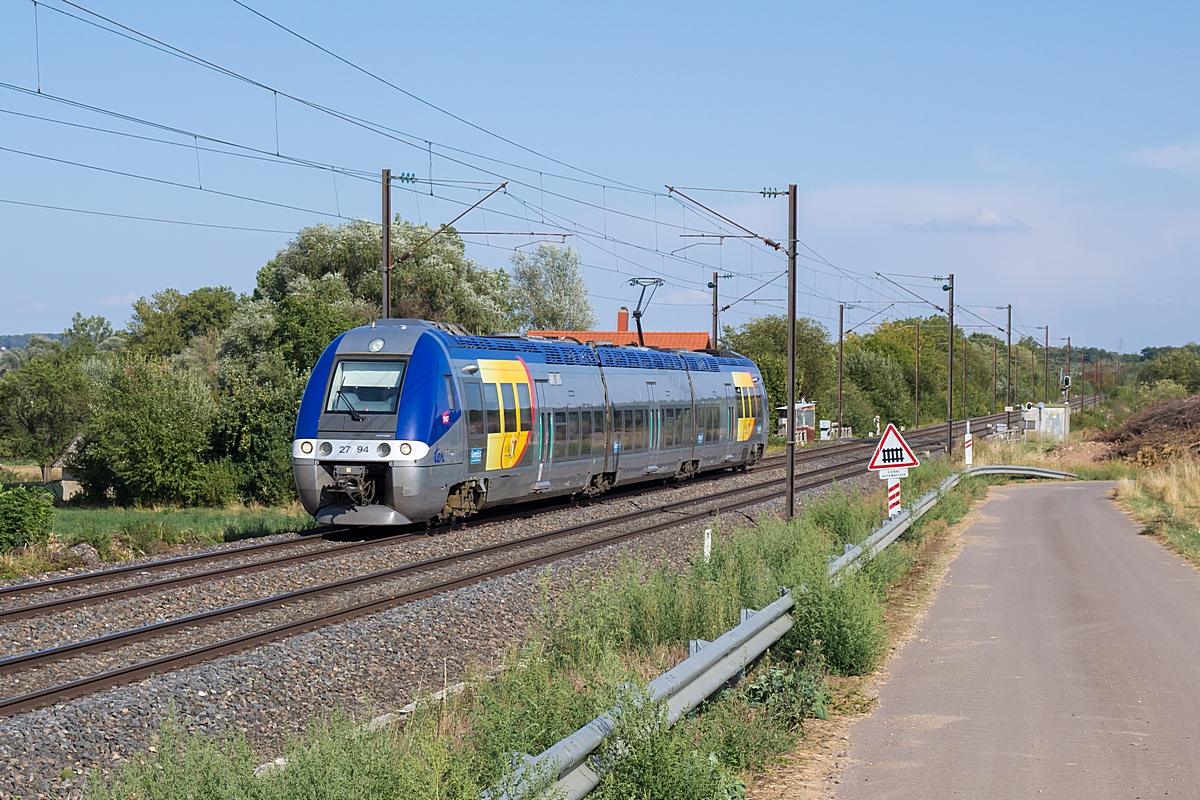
893 452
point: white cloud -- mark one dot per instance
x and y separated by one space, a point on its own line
117 299
1181 158
982 221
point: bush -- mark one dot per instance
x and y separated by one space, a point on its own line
26 516
216 484
253 433
147 436
644 758
847 621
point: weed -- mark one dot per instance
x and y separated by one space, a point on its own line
792 692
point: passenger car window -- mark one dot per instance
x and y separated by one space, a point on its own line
474 409
573 433
510 408
523 405
493 407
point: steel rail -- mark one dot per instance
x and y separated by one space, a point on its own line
502 513
133 672
24 661
87 685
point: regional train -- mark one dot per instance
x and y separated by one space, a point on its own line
406 421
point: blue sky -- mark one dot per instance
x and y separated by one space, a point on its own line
1047 154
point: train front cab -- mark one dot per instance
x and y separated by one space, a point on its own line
378 437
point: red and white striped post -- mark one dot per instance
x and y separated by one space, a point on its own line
893 487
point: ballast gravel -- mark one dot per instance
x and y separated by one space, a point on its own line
368 665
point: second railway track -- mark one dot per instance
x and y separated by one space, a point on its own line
467 567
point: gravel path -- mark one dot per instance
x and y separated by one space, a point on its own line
374 662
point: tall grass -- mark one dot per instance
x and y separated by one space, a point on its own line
1166 500
603 634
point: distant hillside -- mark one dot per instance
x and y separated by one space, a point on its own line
16 340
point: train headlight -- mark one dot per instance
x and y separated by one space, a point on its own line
375 345
326 448
384 449
306 447
405 449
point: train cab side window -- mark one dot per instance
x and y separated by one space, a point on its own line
560 434
450 404
585 425
510 408
474 409
491 396
523 405
572 434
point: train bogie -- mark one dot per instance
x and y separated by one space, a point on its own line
406 421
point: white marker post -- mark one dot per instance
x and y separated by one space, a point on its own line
968 447
892 460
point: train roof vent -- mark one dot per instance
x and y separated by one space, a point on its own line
567 354
739 361
645 359
509 345
699 363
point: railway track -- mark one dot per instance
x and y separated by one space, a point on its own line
476 565
318 548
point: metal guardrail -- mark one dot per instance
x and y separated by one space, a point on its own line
712 664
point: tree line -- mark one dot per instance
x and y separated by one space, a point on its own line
194 401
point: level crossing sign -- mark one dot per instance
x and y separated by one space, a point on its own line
891 461
892 454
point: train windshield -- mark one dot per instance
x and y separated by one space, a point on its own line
366 387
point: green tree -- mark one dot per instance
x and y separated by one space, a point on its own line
1181 365
86 334
166 323
549 292
881 379
43 405
147 435
437 282
312 314
764 341
253 431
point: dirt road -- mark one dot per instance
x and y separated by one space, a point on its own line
1061 659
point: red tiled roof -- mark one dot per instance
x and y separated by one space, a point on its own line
681 340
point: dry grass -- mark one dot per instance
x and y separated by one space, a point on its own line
1088 460
1166 501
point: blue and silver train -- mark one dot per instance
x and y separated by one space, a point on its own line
406 421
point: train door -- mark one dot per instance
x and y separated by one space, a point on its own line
728 424
653 427
476 428
545 437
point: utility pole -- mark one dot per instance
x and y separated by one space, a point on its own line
1008 390
995 374
790 504
963 407
917 379
714 332
841 318
1068 392
387 244
1046 371
949 287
